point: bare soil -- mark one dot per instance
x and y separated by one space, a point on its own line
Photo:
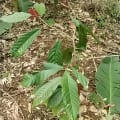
15 101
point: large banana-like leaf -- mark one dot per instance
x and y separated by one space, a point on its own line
24 42
44 92
16 17
70 96
24 5
108 82
55 54
4 27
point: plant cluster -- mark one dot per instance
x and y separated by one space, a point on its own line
61 93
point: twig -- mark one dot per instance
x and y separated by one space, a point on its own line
103 57
64 5
73 39
109 51
67 69
64 34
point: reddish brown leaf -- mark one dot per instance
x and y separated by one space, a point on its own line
33 12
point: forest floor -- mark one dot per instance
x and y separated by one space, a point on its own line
15 101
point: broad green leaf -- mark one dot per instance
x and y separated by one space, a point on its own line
24 5
55 99
50 69
44 92
60 109
28 80
16 17
4 27
55 54
40 8
67 55
96 99
89 32
83 31
50 22
40 77
52 66
24 42
64 117
82 35
70 96
108 82
81 78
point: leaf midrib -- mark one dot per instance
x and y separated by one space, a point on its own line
110 84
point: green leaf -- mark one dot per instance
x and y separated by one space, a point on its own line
64 117
4 27
60 109
67 55
55 54
76 22
24 5
55 99
16 17
44 92
96 99
82 35
40 77
24 42
50 22
40 8
89 32
28 80
81 78
70 96
52 66
83 31
108 82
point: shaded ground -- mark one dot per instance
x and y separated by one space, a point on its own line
15 101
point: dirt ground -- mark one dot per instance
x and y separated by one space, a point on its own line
15 101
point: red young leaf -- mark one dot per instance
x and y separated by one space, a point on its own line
33 12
